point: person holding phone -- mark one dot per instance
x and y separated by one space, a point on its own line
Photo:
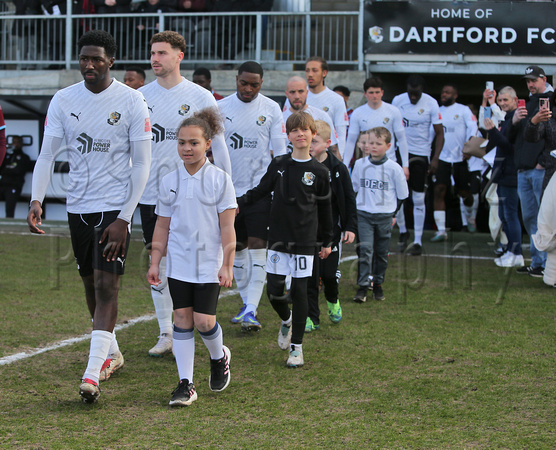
504 174
543 126
530 163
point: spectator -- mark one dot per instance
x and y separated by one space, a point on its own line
112 6
203 78
504 173
543 126
12 174
134 77
530 164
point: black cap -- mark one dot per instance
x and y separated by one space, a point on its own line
534 72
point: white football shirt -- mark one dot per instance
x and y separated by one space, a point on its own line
386 115
417 121
378 187
249 128
193 203
98 129
459 126
168 108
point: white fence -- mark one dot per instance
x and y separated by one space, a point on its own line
273 38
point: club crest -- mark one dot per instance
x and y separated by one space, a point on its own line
261 120
184 109
308 178
114 118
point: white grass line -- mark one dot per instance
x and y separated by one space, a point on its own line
37 351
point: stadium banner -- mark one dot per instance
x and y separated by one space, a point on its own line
472 28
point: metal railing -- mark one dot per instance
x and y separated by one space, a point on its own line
276 39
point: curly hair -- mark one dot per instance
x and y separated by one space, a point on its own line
208 120
173 38
98 38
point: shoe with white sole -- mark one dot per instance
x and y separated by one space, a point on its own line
163 346
295 359
112 363
284 337
509 259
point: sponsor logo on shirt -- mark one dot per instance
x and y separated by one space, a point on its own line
88 144
114 118
308 178
76 115
161 134
261 121
184 109
237 142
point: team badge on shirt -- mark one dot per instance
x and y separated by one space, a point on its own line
308 178
274 258
184 109
456 117
325 108
114 118
261 120
386 120
421 111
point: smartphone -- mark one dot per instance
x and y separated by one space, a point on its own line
490 85
521 103
488 112
544 103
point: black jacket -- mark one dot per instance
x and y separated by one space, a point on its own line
301 203
344 207
504 171
527 154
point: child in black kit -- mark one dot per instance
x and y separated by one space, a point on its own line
300 205
344 218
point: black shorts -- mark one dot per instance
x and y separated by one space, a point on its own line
148 221
475 181
86 230
202 297
418 170
252 220
460 172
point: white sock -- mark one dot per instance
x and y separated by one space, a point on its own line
162 300
418 215
463 212
241 273
256 281
440 220
298 347
184 350
114 347
100 343
288 322
214 341
475 206
400 220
